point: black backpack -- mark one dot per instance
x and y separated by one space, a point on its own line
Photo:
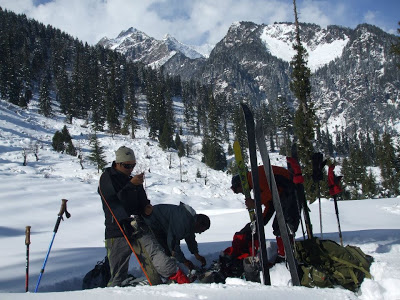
98 276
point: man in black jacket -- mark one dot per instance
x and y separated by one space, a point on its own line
126 197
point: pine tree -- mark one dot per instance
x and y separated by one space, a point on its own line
239 129
97 153
44 99
369 186
214 155
130 106
178 141
58 142
62 142
188 99
285 124
165 138
386 161
396 47
354 172
304 120
69 146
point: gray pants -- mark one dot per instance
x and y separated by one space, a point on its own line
119 253
165 265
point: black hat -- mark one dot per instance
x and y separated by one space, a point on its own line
236 182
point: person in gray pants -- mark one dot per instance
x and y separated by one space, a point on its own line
173 223
123 196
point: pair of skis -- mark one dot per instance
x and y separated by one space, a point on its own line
256 133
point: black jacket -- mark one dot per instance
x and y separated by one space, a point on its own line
123 197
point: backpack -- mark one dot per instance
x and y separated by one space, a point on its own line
324 263
98 276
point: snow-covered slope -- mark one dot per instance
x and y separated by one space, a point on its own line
31 195
279 40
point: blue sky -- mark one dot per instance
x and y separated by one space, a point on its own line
197 22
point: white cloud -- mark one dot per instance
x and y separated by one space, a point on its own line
370 17
196 22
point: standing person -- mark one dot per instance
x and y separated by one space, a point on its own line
126 197
242 239
173 223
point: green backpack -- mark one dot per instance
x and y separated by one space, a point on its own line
324 263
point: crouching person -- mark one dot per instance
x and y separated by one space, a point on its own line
173 223
164 264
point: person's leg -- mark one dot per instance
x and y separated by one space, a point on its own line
118 253
165 265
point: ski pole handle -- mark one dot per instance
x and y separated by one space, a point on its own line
63 209
27 235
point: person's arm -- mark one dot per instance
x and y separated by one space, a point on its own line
133 198
194 249
108 193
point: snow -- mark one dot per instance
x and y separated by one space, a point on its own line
278 39
31 195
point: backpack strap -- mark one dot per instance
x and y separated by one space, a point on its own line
342 261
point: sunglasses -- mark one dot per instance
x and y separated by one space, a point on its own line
128 166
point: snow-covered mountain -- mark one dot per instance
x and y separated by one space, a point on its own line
138 46
322 47
355 79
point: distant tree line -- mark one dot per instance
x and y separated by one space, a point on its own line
99 85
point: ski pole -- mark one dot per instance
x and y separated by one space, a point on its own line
27 243
334 190
337 217
320 210
63 210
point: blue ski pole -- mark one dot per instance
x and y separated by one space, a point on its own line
60 217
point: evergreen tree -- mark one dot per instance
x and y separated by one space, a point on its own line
62 142
239 128
181 150
214 155
369 186
130 106
69 146
188 99
304 119
58 142
165 138
269 115
230 149
97 153
44 99
354 172
396 47
285 124
386 161
178 141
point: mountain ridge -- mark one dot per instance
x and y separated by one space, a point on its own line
252 63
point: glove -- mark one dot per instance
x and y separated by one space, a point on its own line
201 259
189 264
127 227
